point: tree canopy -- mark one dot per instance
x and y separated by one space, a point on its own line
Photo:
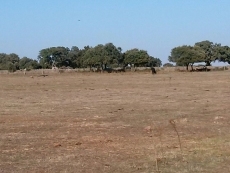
168 65
204 51
136 57
223 54
9 61
187 55
57 56
210 50
109 55
28 63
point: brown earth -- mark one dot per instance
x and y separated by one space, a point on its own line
113 123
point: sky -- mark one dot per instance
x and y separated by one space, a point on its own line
157 26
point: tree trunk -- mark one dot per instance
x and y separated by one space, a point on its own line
187 66
191 66
208 63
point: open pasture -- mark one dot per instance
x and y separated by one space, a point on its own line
113 123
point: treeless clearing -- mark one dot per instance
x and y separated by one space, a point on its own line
87 122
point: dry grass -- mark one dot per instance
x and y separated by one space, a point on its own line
86 122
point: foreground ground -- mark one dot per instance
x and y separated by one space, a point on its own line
95 123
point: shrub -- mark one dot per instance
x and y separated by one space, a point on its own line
11 67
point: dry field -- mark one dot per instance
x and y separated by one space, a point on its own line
115 123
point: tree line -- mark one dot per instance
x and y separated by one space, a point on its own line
13 62
108 55
204 51
102 56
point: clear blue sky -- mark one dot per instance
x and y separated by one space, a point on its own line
27 26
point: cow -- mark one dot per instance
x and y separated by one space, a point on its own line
109 70
202 68
96 69
119 69
153 70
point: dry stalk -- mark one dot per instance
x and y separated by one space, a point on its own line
157 167
159 130
173 123
170 79
156 161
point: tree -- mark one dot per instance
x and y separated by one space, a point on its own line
77 56
223 54
210 50
3 61
103 55
45 58
28 63
11 67
187 55
9 61
13 58
113 54
60 56
136 57
168 65
74 56
23 62
57 56
91 58
154 62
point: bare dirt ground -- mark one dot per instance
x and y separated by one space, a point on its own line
113 123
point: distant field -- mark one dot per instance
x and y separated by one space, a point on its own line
115 123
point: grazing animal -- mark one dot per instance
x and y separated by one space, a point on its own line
153 70
204 68
109 70
96 69
120 69
112 70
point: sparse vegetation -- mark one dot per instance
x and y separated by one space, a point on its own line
88 122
